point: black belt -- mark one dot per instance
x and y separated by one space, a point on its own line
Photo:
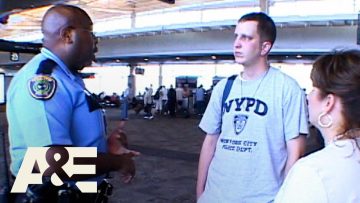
66 193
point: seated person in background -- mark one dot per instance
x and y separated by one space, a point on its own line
333 173
115 99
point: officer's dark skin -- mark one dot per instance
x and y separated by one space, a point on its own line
68 34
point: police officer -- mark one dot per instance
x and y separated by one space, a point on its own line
48 104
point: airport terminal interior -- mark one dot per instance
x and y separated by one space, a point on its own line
166 43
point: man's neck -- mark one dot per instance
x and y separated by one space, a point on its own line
254 71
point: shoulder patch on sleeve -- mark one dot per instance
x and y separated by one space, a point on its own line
42 87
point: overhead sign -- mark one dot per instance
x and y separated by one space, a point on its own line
14 56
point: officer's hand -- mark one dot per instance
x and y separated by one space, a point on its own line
119 150
118 144
118 137
127 170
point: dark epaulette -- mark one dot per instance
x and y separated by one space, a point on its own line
46 67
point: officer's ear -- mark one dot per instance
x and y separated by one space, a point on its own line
66 34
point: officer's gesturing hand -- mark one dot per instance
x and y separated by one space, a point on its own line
127 171
118 145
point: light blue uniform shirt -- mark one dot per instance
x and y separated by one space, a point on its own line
64 119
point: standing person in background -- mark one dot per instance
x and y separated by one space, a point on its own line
148 102
253 133
164 99
332 174
48 105
157 100
200 100
179 97
186 101
126 97
171 101
151 90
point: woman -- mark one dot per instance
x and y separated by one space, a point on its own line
332 174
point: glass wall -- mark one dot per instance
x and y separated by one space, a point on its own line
114 78
232 10
313 7
107 79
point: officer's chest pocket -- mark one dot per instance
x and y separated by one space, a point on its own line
93 102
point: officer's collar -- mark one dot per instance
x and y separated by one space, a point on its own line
48 54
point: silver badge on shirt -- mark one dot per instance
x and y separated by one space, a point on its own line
239 123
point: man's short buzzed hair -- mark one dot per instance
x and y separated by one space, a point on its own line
72 8
266 26
63 8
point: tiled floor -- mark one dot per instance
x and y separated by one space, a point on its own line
167 166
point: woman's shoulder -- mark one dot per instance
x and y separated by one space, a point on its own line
317 158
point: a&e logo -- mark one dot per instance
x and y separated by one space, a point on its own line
58 163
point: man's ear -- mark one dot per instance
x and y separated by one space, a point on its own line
265 48
66 35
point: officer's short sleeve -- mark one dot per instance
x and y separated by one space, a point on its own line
211 120
59 111
47 121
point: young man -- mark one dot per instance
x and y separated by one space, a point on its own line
254 137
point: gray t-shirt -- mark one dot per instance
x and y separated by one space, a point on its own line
259 117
